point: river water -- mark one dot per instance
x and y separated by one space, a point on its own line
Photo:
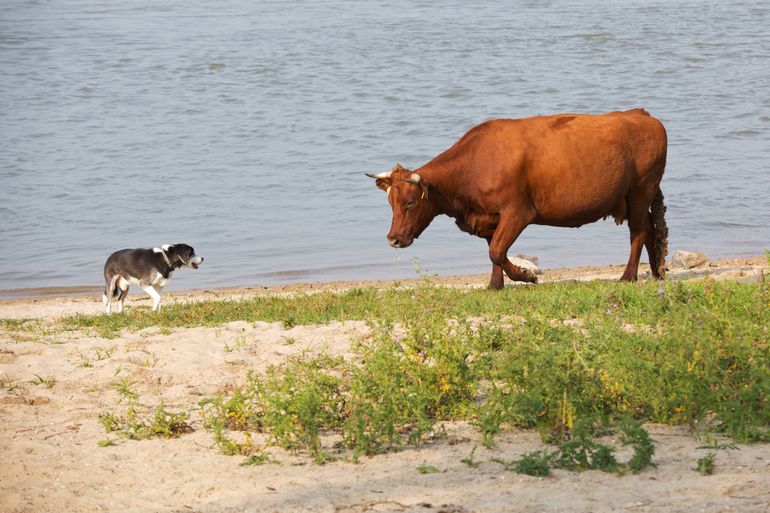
243 127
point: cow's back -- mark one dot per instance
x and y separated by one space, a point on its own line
572 168
584 168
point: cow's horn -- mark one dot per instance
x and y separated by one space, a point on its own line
379 176
414 178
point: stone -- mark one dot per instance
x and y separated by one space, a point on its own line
535 260
688 260
525 264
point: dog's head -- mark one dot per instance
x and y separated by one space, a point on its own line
182 255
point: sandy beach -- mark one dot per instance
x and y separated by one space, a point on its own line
50 458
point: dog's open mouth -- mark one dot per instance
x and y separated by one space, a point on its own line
193 262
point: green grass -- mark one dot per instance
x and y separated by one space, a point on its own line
389 305
679 353
547 357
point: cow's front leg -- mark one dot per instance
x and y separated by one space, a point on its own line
507 231
496 281
517 273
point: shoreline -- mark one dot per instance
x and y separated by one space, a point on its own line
63 301
548 275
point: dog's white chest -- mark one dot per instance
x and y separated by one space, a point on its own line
159 281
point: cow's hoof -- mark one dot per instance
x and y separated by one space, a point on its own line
494 285
527 276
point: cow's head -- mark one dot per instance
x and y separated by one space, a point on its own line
408 195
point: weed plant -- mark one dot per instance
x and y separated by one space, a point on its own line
535 463
706 464
581 452
257 459
47 381
427 469
140 422
293 403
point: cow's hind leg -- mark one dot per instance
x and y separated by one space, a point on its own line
640 228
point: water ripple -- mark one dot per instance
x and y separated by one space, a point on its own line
244 128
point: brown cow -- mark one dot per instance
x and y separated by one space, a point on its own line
562 170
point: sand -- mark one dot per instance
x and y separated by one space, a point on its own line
50 459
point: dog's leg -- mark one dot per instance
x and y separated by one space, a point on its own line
158 288
107 296
121 300
154 294
107 301
123 286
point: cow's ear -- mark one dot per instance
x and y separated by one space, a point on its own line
384 183
424 186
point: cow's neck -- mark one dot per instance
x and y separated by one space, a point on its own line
443 193
446 177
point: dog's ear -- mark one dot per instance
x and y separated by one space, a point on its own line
184 251
184 248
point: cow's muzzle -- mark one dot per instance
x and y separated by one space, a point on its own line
397 242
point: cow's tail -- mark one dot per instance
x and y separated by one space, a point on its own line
658 215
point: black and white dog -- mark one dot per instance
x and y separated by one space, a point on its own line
149 268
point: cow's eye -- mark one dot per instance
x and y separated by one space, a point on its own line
410 203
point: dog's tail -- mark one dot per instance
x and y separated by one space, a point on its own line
110 289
